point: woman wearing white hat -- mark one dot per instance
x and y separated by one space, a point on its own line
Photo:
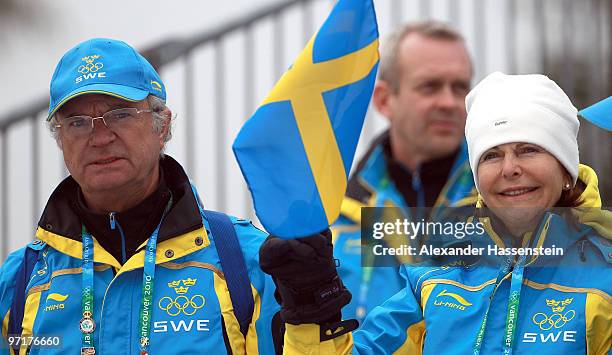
521 132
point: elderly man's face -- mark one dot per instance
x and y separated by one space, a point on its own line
105 161
427 112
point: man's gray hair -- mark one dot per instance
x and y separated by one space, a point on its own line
156 105
389 70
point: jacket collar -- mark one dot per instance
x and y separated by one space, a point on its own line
370 180
589 212
60 218
555 230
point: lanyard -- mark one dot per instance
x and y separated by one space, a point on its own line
144 324
513 304
503 271
87 324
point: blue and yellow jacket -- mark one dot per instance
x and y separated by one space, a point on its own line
565 301
371 186
192 310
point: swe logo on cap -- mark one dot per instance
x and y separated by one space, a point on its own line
90 69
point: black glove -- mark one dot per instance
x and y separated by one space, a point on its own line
307 284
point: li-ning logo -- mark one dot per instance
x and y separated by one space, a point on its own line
557 319
56 297
156 86
181 303
462 302
90 69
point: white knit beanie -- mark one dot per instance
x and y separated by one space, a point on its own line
521 108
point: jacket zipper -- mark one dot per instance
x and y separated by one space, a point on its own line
114 224
417 187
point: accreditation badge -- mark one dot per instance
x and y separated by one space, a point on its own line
87 325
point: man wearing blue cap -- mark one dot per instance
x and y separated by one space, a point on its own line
126 259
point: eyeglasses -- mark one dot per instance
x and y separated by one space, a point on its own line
115 120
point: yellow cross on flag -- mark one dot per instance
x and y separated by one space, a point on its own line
296 151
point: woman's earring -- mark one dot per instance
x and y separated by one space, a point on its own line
566 186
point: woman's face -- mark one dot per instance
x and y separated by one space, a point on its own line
519 181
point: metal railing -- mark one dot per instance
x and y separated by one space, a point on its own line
546 32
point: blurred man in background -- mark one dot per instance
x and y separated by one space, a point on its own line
420 161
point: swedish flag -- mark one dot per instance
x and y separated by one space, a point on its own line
296 151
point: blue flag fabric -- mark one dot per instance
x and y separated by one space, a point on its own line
296 151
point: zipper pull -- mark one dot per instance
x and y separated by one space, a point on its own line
417 187
416 180
111 217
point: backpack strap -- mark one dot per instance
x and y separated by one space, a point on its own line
234 267
21 282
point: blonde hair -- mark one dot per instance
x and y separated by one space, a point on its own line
389 70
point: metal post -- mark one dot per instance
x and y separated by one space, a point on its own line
396 13
249 93
540 28
220 131
307 21
567 31
278 39
425 9
4 190
599 148
511 27
189 116
455 13
480 48
604 20
604 24
35 169
595 77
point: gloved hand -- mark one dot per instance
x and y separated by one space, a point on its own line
307 284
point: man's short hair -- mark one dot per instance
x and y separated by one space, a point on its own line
389 70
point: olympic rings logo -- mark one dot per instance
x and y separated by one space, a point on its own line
188 306
556 320
514 296
90 68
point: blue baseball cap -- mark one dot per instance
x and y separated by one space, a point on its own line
599 114
103 66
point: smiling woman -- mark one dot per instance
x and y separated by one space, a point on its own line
542 283
516 176
523 151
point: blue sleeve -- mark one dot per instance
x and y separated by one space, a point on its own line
266 306
7 286
396 325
